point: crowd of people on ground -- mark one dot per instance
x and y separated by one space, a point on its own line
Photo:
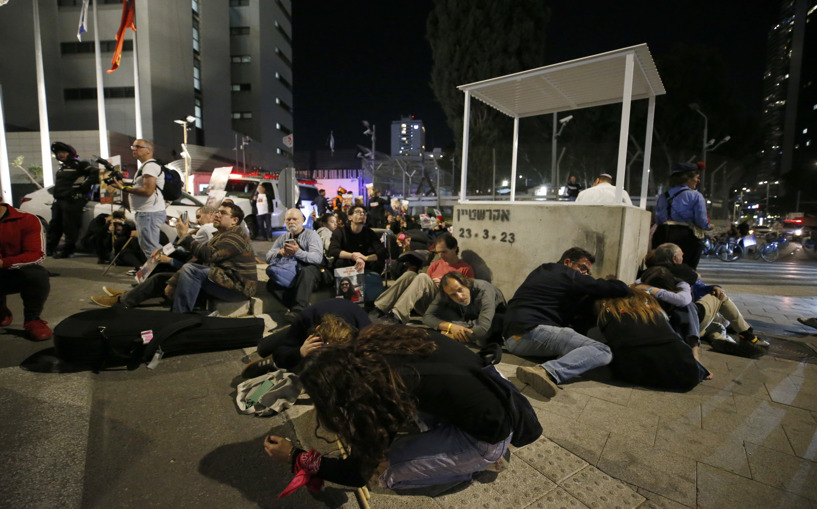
400 356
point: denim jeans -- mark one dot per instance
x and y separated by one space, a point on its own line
192 281
444 454
577 353
148 226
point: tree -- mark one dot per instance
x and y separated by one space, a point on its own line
473 40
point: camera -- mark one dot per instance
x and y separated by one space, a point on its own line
113 176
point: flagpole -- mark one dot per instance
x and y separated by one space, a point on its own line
104 151
5 171
45 139
137 103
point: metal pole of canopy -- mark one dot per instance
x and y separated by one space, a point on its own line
513 160
466 120
626 104
645 174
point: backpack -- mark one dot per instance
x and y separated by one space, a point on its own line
174 184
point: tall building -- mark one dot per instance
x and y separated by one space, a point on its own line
408 137
789 105
227 63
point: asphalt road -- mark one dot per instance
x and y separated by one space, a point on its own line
792 275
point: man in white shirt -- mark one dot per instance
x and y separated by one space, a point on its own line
204 218
145 197
603 192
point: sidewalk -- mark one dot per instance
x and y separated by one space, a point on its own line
171 437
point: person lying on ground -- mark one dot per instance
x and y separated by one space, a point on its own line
646 351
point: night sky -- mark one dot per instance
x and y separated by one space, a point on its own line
369 60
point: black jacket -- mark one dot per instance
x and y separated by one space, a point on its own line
551 295
74 179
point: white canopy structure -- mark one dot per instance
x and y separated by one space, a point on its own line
618 76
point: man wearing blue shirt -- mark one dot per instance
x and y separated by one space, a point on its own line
681 213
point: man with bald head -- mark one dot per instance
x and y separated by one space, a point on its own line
306 248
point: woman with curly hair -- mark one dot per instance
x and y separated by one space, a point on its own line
646 351
390 375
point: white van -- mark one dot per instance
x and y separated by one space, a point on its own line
244 186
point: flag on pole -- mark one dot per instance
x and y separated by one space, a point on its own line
332 141
288 141
83 20
128 21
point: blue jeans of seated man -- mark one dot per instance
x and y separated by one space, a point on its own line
193 280
442 455
148 226
577 353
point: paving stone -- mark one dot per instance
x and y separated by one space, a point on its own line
658 470
803 439
566 403
584 441
474 496
597 490
795 391
710 447
520 484
718 489
551 460
632 423
557 499
686 407
783 471
612 393
656 501
757 428
390 501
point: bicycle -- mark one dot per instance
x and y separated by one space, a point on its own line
729 251
770 252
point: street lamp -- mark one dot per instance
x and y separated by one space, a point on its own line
189 119
697 108
553 173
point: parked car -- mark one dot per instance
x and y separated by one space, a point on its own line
243 187
39 203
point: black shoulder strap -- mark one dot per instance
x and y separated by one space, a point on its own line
669 201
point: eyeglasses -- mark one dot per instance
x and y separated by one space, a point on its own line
221 213
359 211
584 269
134 147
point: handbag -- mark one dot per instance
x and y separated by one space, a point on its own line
283 270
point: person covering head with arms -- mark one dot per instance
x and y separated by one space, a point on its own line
386 377
540 314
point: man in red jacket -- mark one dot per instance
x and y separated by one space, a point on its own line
22 250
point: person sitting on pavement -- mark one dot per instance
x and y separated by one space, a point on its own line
413 291
204 220
306 248
327 224
603 192
386 377
22 251
122 236
225 266
711 301
358 245
466 309
338 319
539 317
646 351
675 297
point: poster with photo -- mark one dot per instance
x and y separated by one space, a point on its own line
349 284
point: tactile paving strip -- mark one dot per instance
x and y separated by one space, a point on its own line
598 490
551 460
557 499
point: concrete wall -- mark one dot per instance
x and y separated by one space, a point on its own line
504 242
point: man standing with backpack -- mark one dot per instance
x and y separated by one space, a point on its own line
145 196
